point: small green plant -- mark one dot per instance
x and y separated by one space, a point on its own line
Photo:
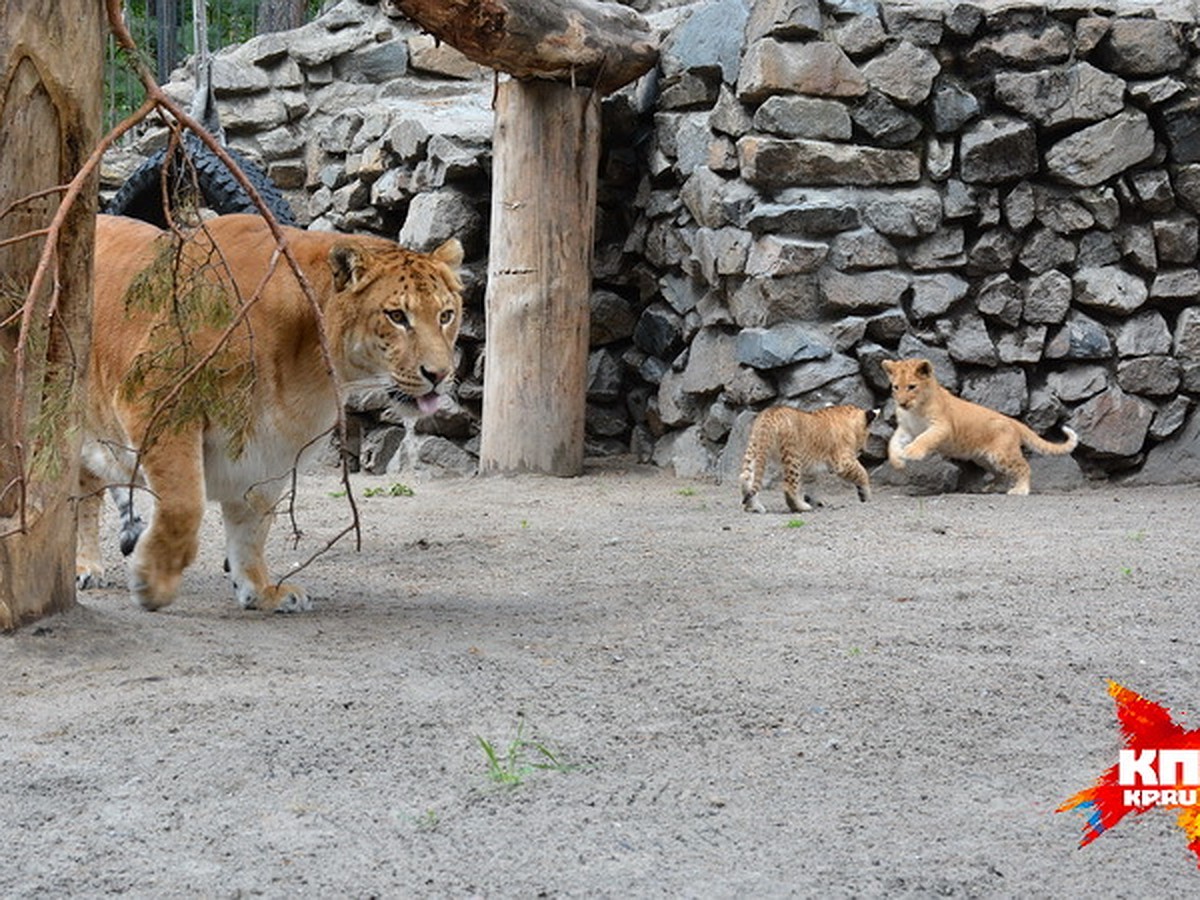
686 492
524 523
1127 571
1137 536
795 523
854 651
428 820
337 494
520 759
396 490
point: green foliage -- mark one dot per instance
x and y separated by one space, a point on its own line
512 766
795 523
396 490
190 309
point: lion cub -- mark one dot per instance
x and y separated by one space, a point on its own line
931 419
803 441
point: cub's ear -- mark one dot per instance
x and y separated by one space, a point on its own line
889 365
924 368
871 415
450 253
349 266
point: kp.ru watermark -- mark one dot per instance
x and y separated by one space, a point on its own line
1159 768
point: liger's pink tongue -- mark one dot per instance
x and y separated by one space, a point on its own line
428 404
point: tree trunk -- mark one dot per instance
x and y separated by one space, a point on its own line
51 56
581 42
280 15
546 151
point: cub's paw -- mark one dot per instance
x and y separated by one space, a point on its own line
88 576
280 598
752 504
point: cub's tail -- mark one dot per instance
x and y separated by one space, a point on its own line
1034 441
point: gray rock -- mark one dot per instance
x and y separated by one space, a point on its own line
995 251
903 213
817 68
863 248
1142 47
1003 390
859 36
1156 91
884 122
677 408
1138 247
436 216
941 250
721 251
1000 298
1058 97
728 115
952 106
1110 288
680 292
372 63
1113 424
1169 418
805 377
1176 238
1181 127
1143 334
603 377
707 42
968 341
764 301
439 456
1176 285
686 453
1061 212
748 388
1045 250
1186 344
779 345
711 361
772 255
933 295
998 149
1023 345
776 162
817 216
379 446
904 73
1077 383
782 18
1152 188
611 318
1097 248
860 292
1046 43
1020 206
804 117
939 158
887 327
1098 152
1187 186
1150 376
659 331
1079 338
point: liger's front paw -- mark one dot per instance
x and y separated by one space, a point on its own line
281 598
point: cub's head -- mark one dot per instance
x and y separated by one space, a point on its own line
395 317
912 381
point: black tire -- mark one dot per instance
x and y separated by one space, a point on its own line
140 197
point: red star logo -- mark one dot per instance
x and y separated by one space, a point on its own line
1147 776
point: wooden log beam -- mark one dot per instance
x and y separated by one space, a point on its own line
581 42
546 153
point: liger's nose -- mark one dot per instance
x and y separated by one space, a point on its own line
435 376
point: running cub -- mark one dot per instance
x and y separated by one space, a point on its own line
931 419
803 441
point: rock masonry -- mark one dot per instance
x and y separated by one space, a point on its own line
803 189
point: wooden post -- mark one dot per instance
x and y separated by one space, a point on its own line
565 54
545 155
51 57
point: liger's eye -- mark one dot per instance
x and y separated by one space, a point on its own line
447 316
398 316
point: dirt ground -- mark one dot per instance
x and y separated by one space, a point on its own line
882 699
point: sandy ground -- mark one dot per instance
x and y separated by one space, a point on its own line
883 699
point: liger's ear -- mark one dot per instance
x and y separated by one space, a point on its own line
348 266
888 365
450 253
871 415
924 368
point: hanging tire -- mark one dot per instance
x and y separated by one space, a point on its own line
140 197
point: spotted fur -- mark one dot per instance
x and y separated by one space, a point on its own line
802 441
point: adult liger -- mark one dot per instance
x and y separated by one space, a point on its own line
930 419
224 308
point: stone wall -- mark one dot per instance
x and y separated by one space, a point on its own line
802 190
